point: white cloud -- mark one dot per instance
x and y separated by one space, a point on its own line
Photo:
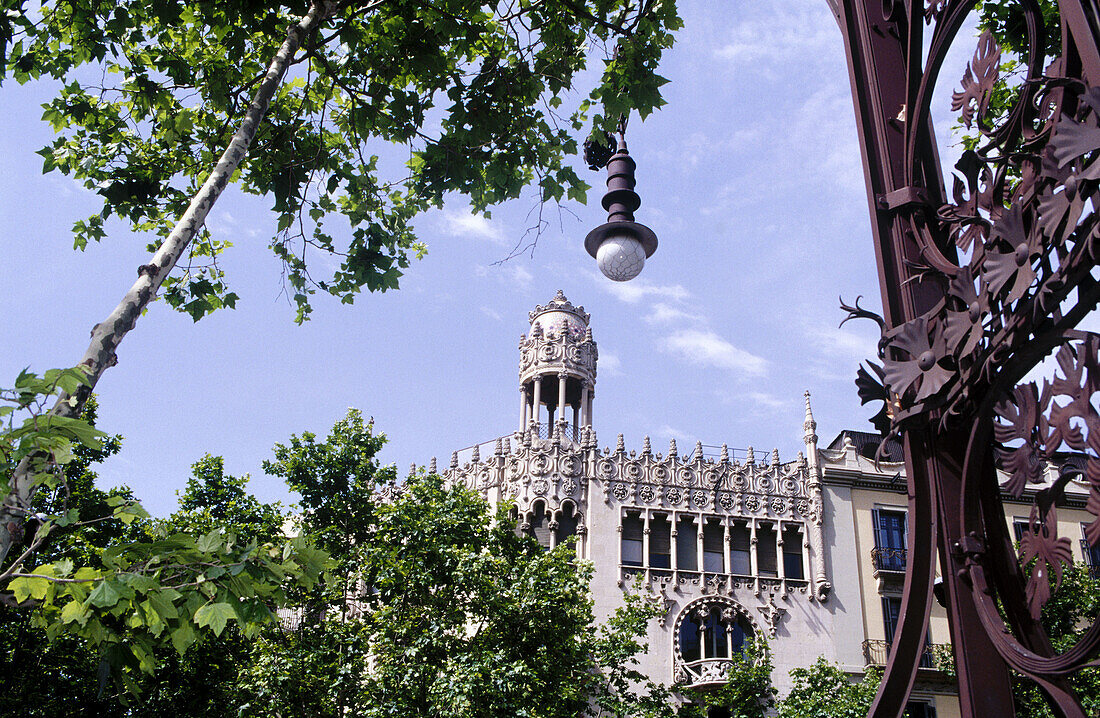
609 364
464 223
843 343
706 348
492 314
681 437
763 400
663 313
638 289
519 276
511 272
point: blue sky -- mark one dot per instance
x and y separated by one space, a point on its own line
750 177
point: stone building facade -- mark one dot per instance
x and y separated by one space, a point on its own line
734 548
806 552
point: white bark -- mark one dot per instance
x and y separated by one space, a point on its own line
108 334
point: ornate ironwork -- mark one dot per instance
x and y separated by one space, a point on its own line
979 285
877 652
888 559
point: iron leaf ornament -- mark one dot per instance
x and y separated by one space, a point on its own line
995 277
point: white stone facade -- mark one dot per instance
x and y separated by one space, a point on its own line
731 547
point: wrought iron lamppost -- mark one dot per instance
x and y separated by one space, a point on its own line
620 245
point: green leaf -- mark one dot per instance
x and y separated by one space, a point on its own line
215 615
75 612
211 541
26 587
183 637
106 594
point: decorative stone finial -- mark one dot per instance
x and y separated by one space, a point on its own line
809 426
476 456
750 458
412 469
620 445
454 459
592 442
646 449
775 458
507 446
672 448
555 438
536 331
432 468
725 454
801 460
588 334
698 451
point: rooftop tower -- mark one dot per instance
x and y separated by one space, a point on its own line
557 369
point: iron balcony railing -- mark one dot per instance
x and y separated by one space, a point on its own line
1091 557
876 652
888 559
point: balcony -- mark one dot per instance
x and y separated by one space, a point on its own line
1092 558
888 559
934 657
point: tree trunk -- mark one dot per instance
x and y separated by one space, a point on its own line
108 334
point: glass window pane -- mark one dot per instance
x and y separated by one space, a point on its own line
632 540
689 641
687 548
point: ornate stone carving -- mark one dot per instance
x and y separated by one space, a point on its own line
771 614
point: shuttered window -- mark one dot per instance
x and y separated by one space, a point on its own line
540 526
687 547
713 536
766 559
632 540
660 542
740 546
792 553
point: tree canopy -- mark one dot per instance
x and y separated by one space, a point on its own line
479 100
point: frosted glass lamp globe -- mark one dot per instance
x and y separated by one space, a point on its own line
620 257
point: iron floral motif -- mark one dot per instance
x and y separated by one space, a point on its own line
1005 269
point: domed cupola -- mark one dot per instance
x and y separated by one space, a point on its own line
557 369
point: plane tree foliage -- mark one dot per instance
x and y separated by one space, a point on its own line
479 99
92 566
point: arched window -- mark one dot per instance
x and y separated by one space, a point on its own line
539 524
567 524
713 631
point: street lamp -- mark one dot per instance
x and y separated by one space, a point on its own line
621 245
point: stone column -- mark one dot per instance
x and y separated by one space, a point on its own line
536 402
586 420
589 394
522 408
700 563
562 379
